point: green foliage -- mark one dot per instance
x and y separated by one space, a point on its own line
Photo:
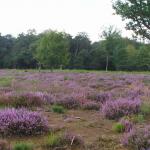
136 13
5 81
118 127
58 109
23 146
138 118
53 140
53 49
145 109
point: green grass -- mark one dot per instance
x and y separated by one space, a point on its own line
23 146
145 109
118 127
58 109
5 81
140 118
53 140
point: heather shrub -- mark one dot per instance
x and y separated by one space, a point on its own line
119 108
29 99
4 145
101 97
58 109
118 127
23 146
68 102
91 106
137 139
21 122
128 125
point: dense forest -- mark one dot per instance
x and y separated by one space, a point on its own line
52 49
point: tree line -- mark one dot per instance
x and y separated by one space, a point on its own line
53 49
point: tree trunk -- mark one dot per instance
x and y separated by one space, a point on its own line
106 63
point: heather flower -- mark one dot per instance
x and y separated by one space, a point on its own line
26 99
22 122
119 108
137 139
101 97
128 125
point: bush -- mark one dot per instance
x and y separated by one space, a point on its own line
137 139
91 106
68 102
22 122
119 108
101 97
58 109
23 146
118 127
4 145
128 125
53 140
30 99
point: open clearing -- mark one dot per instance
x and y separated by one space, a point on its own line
83 118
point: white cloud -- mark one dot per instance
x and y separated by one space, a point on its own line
72 16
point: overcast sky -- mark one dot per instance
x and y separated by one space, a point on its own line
71 16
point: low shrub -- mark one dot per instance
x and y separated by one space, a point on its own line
128 125
28 99
58 109
119 108
53 140
23 146
101 97
21 122
68 102
137 139
91 106
118 127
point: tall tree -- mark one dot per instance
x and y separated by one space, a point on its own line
53 49
137 14
111 37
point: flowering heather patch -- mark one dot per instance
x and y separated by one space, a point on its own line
68 102
128 125
119 108
27 99
21 122
137 139
102 97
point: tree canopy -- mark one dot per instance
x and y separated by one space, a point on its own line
137 15
52 49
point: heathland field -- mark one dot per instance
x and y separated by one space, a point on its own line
74 110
